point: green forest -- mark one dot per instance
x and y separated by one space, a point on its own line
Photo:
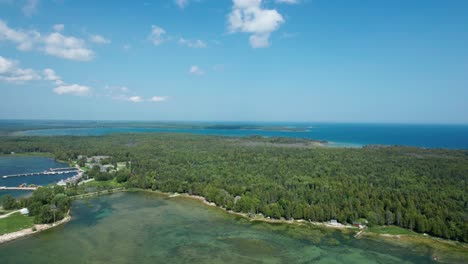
419 189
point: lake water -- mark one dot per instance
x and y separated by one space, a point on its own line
18 164
149 228
349 135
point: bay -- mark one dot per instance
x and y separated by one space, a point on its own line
145 227
339 135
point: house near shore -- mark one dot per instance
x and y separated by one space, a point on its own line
24 211
61 183
334 222
358 225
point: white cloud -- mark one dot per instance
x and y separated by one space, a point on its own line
10 72
58 27
287 1
195 70
99 39
21 76
192 43
116 92
50 75
30 7
182 3
62 87
5 65
25 40
67 47
55 43
156 35
127 47
158 99
248 16
135 99
73 89
122 93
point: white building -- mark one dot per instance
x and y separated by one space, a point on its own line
61 183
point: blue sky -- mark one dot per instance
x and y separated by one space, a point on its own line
242 60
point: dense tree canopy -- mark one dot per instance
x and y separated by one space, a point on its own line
419 189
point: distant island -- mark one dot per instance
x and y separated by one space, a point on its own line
11 126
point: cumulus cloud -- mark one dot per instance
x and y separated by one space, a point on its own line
10 72
50 75
58 27
99 39
157 35
192 43
54 44
65 47
30 7
135 99
25 40
250 17
122 93
73 89
195 70
5 65
158 99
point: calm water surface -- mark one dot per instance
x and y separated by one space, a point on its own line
17 164
350 135
148 228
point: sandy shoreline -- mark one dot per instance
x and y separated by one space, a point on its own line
263 219
29 231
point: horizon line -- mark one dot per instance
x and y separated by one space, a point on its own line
236 121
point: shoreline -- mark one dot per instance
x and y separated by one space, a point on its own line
262 219
5 238
436 244
427 240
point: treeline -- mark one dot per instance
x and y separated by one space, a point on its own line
46 204
420 189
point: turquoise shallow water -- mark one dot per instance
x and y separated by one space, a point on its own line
149 228
347 135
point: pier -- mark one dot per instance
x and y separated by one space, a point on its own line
48 172
66 168
19 188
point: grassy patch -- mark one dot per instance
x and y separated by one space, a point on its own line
391 230
104 184
3 211
15 222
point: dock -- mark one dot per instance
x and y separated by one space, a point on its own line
66 168
19 188
47 172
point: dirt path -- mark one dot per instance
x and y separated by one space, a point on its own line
7 215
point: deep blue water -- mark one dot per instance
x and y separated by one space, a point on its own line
16 164
430 136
